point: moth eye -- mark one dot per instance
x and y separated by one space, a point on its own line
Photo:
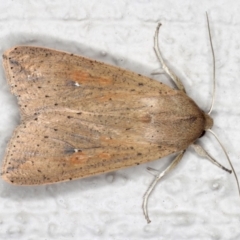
203 133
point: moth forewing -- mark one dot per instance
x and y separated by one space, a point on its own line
82 117
85 117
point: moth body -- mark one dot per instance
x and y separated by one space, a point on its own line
81 117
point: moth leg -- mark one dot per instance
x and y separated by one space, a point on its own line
174 78
155 181
151 170
203 153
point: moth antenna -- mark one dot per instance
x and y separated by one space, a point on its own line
214 66
235 175
155 181
213 99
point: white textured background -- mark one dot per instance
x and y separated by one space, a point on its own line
197 200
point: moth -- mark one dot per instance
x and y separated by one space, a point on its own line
81 117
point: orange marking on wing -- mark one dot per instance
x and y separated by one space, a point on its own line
86 78
78 158
82 158
104 156
146 118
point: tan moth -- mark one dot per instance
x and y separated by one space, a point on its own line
81 117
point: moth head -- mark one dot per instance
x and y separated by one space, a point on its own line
208 121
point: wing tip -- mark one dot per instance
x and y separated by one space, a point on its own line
8 178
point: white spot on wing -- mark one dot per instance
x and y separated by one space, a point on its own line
77 84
